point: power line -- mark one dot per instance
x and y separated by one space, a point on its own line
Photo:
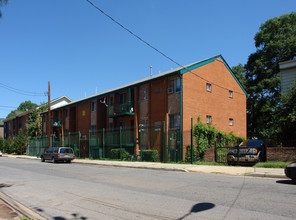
22 92
5 106
154 48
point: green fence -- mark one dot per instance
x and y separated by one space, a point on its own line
170 144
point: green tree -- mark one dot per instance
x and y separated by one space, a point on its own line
19 143
285 116
275 42
34 124
24 106
2 2
1 143
240 73
7 145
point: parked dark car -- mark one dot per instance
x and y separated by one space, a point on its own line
55 154
249 152
290 171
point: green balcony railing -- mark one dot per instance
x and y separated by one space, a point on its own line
120 110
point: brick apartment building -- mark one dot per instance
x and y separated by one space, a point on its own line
207 88
13 124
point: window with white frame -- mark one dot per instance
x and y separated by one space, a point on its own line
209 87
230 121
230 94
174 121
146 93
209 119
93 106
122 99
174 85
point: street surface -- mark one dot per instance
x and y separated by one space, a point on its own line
76 191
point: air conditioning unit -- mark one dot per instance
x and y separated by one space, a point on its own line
170 90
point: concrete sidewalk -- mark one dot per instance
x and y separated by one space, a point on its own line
228 170
10 209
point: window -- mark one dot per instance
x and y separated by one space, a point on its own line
230 121
209 119
209 87
66 113
146 93
174 121
122 99
230 94
93 106
93 129
174 85
111 128
122 124
111 101
177 85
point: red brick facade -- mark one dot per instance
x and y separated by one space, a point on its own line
173 97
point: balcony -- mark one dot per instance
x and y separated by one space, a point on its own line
118 110
55 123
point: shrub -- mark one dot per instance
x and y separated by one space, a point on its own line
115 154
1 143
150 155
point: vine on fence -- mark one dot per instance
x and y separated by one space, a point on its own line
207 136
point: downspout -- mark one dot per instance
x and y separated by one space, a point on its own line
181 117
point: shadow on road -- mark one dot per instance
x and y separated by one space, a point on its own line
2 185
289 182
199 207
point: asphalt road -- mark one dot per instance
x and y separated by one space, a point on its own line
76 191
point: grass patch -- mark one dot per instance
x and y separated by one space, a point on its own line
276 164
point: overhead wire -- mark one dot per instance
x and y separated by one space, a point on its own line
154 48
22 92
5 106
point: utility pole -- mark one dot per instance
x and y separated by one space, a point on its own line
48 124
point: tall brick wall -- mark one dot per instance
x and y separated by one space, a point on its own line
281 154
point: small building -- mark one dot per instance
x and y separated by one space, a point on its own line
164 103
288 74
13 124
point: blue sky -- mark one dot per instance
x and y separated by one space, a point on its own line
80 51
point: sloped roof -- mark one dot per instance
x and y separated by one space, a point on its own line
179 70
22 113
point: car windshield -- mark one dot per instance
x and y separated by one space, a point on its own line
256 143
66 150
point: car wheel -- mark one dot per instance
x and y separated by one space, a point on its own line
53 160
42 159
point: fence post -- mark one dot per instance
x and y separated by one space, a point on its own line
192 152
69 137
89 142
79 142
103 142
141 131
216 159
120 142
163 141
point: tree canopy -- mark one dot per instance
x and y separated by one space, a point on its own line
275 42
2 2
24 106
34 123
285 115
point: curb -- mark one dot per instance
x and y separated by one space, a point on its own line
277 176
188 170
19 208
